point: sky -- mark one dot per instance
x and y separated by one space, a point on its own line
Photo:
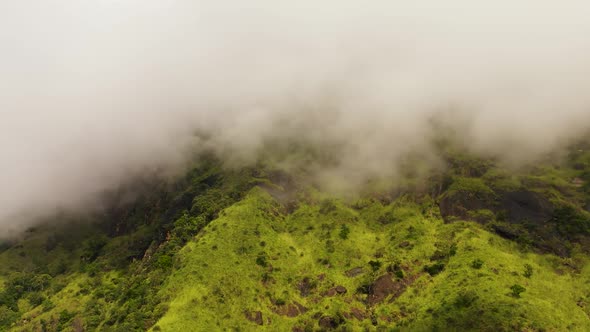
93 93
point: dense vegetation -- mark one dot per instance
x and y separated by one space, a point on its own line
474 247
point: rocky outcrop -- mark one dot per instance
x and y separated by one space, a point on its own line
290 310
526 216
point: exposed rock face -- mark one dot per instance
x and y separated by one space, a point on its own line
330 292
284 190
522 215
358 313
404 244
525 205
302 309
354 272
340 289
516 206
290 310
386 286
458 205
382 288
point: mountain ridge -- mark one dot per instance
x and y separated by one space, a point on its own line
262 248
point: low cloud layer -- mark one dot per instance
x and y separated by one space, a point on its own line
94 92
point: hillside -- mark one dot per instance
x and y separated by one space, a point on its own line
476 246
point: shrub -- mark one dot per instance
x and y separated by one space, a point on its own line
330 246
36 299
7 316
516 290
186 226
477 264
261 260
366 288
344 231
570 221
435 268
164 262
327 206
528 270
58 267
465 299
453 250
396 270
387 218
64 318
375 265
92 248
47 305
210 203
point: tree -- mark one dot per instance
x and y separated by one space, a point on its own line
7 316
517 290
92 248
344 231
477 264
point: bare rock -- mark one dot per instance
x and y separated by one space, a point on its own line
354 272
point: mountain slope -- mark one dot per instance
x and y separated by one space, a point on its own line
354 269
474 247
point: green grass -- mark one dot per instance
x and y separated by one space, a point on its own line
252 258
470 185
68 299
549 302
212 250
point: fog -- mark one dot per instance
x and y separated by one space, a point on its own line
93 93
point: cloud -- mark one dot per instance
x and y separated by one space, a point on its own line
95 92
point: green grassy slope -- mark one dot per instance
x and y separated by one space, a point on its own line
253 259
477 247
